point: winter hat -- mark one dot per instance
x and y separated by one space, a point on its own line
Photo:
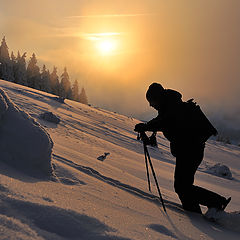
155 91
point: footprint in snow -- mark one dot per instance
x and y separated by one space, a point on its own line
103 157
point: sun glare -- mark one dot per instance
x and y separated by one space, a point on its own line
106 47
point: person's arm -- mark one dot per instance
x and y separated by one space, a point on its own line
153 125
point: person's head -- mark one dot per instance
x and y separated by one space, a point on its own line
155 94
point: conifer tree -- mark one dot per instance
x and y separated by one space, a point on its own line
33 73
4 54
14 69
65 85
14 65
13 58
75 91
6 67
45 80
83 97
20 70
54 81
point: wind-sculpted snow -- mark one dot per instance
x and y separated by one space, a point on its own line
37 221
23 142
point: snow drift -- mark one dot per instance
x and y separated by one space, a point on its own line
23 142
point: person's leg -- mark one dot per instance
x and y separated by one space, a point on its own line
183 184
191 196
208 198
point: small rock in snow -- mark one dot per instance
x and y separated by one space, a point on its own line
50 117
220 170
103 157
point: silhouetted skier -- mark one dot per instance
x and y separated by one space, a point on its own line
187 129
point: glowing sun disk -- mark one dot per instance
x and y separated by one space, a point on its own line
106 46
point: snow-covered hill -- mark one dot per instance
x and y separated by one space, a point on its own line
98 189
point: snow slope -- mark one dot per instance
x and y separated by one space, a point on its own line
99 189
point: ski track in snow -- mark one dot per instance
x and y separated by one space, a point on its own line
92 172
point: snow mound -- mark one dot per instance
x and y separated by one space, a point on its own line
50 117
230 220
220 170
24 143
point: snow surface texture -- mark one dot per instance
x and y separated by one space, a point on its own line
229 220
90 199
23 142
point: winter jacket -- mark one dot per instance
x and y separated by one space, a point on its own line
182 123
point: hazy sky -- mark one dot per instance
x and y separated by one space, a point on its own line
189 45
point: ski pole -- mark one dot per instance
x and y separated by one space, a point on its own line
146 161
154 175
145 140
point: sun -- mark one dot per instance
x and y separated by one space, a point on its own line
106 46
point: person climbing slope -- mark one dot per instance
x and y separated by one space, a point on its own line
187 129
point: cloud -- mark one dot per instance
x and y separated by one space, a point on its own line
190 46
111 15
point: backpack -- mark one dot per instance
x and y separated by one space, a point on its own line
201 127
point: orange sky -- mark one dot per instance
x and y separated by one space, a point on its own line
190 46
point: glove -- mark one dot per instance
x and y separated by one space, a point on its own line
140 127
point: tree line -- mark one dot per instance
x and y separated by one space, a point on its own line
15 69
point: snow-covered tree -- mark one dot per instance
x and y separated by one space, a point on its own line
75 91
14 65
14 69
65 85
83 97
20 69
13 58
45 80
6 66
54 81
4 54
33 73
